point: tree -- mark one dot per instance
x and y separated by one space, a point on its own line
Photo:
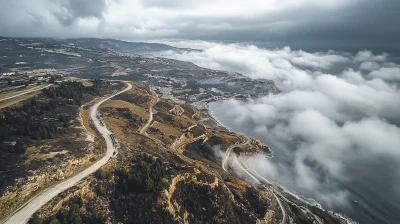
100 217
3 167
19 147
35 220
55 221
3 147
77 219
33 102
74 210
149 185
103 174
64 119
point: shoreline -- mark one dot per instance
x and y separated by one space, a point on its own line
299 197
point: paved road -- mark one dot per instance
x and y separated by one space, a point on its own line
226 157
26 92
302 208
229 150
250 173
276 197
282 208
245 170
23 214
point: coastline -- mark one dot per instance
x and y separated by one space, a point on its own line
308 201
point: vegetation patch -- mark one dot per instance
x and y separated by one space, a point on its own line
74 214
144 176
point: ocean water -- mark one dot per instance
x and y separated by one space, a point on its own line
374 196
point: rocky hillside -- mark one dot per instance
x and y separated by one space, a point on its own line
172 168
47 138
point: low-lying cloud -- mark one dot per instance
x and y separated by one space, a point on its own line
334 129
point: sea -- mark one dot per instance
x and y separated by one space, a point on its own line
371 198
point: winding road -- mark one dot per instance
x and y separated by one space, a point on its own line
148 122
274 193
248 171
255 174
302 208
23 214
229 150
226 157
143 130
245 170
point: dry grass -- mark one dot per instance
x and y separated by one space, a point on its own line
110 104
87 83
77 152
166 127
15 100
168 130
18 91
237 186
229 138
118 126
84 116
34 153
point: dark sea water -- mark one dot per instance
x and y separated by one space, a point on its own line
374 193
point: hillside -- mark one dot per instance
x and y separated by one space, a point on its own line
46 138
120 46
168 170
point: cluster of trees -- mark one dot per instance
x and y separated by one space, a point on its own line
19 147
73 215
39 131
103 174
65 119
73 91
38 108
143 177
28 120
126 112
24 121
14 123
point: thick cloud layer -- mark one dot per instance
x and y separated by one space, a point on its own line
309 21
76 9
335 128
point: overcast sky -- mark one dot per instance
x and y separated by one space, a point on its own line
312 21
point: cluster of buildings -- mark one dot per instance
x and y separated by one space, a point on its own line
20 78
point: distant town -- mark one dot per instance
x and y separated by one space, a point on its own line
47 60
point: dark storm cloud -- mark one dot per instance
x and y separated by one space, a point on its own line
359 22
352 22
368 21
75 9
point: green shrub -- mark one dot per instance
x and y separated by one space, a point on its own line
19 147
103 174
55 221
142 177
100 218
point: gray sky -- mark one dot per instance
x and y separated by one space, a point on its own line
314 21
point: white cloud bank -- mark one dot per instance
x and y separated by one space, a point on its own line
335 110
